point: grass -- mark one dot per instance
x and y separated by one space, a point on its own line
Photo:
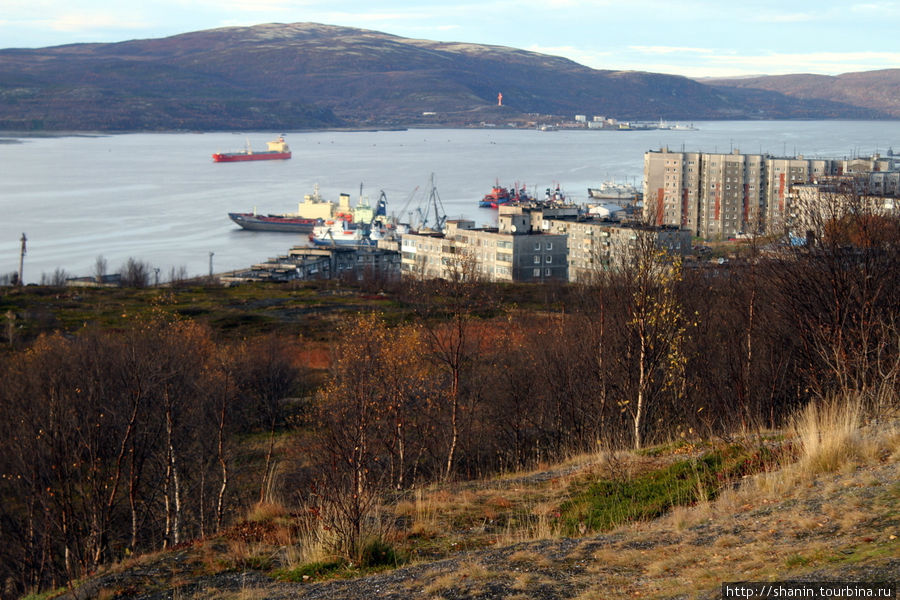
828 434
309 309
606 503
307 571
762 509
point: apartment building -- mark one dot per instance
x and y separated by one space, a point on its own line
718 196
513 251
597 245
813 205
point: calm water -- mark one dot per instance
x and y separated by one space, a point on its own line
161 199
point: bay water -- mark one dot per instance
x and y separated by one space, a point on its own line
160 198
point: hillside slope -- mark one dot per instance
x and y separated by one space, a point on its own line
776 526
291 76
877 90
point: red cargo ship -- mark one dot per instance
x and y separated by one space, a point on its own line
277 150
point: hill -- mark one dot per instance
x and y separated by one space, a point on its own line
876 90
791 523
306 75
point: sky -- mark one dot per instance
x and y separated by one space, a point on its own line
694 38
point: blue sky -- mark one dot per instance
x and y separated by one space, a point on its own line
695 38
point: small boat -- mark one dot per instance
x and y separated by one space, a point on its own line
280 223
276 150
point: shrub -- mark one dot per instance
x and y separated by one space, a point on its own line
378 553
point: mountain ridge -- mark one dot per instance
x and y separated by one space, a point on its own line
879 89
311 75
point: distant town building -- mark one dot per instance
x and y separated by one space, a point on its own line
813 205
718 196
595 244
600 245
511 252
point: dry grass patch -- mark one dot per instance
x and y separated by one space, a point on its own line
529 581
266 511
529 558
467 574
828 434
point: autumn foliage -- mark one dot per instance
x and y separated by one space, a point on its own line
122 441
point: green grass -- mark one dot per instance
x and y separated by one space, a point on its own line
313 570
310 309
48 595
606 503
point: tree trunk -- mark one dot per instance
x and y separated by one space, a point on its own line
454 424
639 408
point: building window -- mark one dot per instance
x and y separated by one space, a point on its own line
549 245
537 259
549 259
536 273
537 246
547 272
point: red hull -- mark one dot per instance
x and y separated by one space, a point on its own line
243 156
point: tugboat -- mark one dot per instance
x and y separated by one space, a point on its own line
499 196
276 150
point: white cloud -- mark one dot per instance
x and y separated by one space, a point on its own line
670 50
715 63
828 63
786 17
876 8
78 22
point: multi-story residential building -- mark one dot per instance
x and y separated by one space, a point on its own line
723 195
813 206
513 251
596 245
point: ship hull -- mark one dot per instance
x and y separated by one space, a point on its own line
281 224
340 234
243 156
341 242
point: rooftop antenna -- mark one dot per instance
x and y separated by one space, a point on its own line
22 259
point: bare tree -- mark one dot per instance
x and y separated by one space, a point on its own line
840 285
135 273
448 310
100 266
653 329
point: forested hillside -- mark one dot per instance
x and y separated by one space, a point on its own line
136 421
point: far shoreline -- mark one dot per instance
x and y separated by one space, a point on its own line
14 137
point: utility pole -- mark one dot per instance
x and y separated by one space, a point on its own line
22 260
